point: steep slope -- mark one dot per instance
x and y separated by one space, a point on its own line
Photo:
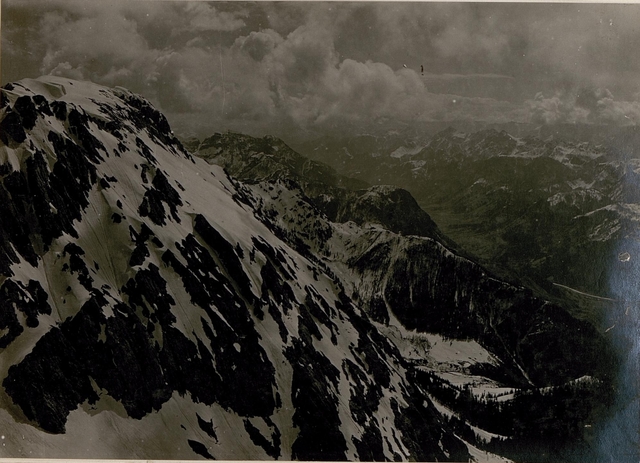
424 296
149 310
410 272
342 199
424 285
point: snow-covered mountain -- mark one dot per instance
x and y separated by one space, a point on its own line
151 306
418 288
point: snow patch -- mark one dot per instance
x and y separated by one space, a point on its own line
403 151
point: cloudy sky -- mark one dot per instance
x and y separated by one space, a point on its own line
271 67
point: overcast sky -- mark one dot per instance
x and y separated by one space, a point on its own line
264 66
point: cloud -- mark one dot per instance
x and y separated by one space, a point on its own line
271 66
468 34
300 62
124 43
586 106
367 91
555 109
203 16
106 49
548 46
259 44
619 112
494 86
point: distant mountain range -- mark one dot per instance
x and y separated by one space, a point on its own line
541 211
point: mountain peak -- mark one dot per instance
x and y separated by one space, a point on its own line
141 289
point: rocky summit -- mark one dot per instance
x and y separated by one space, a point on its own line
243 302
